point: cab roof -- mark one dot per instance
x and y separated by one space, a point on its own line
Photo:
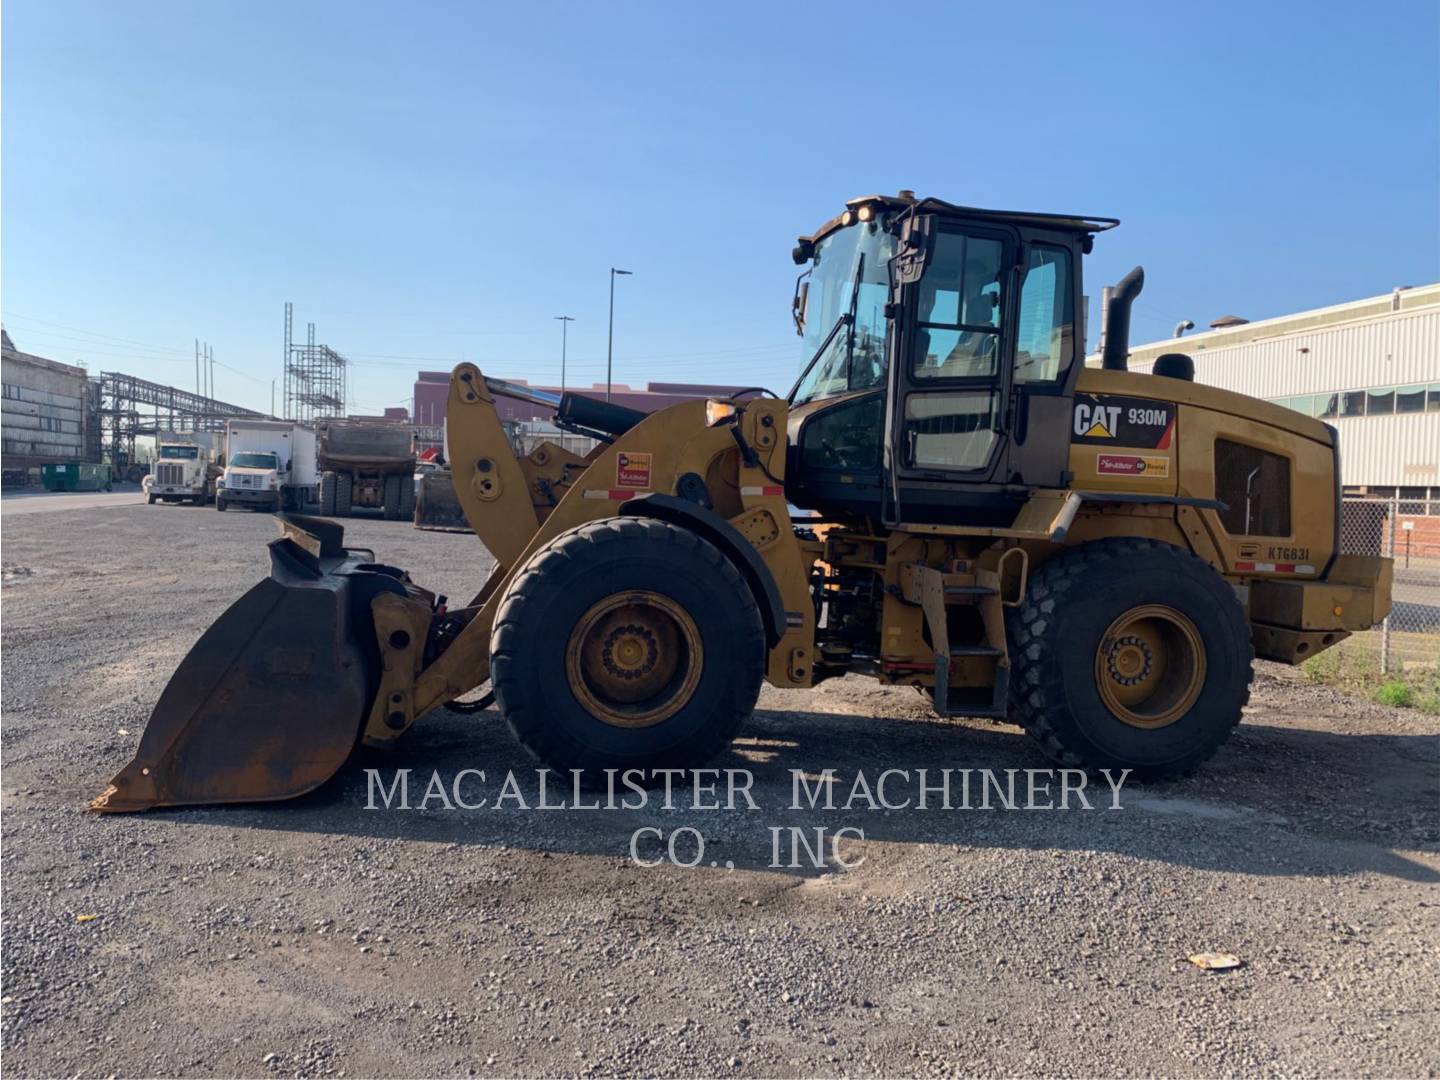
1086 224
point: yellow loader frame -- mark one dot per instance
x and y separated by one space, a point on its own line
518 505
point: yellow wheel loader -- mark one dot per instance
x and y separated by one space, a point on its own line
1094 553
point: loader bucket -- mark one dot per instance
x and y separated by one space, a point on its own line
271 699
436 505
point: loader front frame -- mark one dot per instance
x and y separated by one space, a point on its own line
516 507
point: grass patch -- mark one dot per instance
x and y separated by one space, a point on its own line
1395 692
1357 670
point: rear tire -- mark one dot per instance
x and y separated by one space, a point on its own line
327 494
1129 654
627 643
343 483
392 497
407 498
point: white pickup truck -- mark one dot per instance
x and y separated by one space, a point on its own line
187 464
271 466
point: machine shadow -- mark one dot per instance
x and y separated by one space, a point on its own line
1276 801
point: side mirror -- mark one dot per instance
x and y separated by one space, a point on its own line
798 305
917 243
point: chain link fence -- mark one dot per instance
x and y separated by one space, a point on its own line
1408 531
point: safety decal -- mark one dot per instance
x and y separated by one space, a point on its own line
1110 419
632 470
1132 465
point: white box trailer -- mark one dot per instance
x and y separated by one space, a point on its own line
269 465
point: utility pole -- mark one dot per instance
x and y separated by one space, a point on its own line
272 397
197 367
564 321
610 347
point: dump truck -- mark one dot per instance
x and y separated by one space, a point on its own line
1095 554
366 463
271 466
187 466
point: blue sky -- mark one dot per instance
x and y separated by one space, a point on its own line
431 182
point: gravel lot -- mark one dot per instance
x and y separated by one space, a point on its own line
318 938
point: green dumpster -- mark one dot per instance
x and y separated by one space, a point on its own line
75 476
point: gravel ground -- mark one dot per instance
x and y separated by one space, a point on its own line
319 938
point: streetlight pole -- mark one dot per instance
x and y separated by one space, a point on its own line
610 348
564 321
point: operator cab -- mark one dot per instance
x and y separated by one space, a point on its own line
941 347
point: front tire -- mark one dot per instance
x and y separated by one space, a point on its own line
219 504
627 643
149 500
1130 654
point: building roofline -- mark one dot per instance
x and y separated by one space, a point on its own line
1410 299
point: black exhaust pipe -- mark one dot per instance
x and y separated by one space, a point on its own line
1117 320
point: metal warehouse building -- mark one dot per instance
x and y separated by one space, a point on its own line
48 414
1371 368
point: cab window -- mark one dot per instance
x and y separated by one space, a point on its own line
845 437
1045 330
958 314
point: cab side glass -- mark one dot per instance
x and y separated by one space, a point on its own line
845 437
1045 333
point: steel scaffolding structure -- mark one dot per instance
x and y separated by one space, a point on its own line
131 407
314 376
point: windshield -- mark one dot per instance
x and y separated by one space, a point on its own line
851 273
254 461
188 453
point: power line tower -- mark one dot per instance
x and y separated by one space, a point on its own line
314 376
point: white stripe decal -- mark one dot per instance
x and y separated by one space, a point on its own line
612 494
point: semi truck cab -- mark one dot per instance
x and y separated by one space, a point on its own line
183 471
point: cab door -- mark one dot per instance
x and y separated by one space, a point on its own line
950 373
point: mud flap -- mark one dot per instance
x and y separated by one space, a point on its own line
271 699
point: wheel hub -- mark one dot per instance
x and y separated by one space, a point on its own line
1130 660
630 651
1150 666
634 659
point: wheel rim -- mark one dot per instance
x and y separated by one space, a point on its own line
634 659
1150 666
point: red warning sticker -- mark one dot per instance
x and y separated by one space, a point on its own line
632 470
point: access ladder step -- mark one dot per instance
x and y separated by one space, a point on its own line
969 592
975 650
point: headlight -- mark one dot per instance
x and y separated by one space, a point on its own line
719 412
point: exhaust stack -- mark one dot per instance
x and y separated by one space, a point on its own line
1116 349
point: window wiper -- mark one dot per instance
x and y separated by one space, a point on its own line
843 320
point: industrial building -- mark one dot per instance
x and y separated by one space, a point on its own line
1370 367
49 412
